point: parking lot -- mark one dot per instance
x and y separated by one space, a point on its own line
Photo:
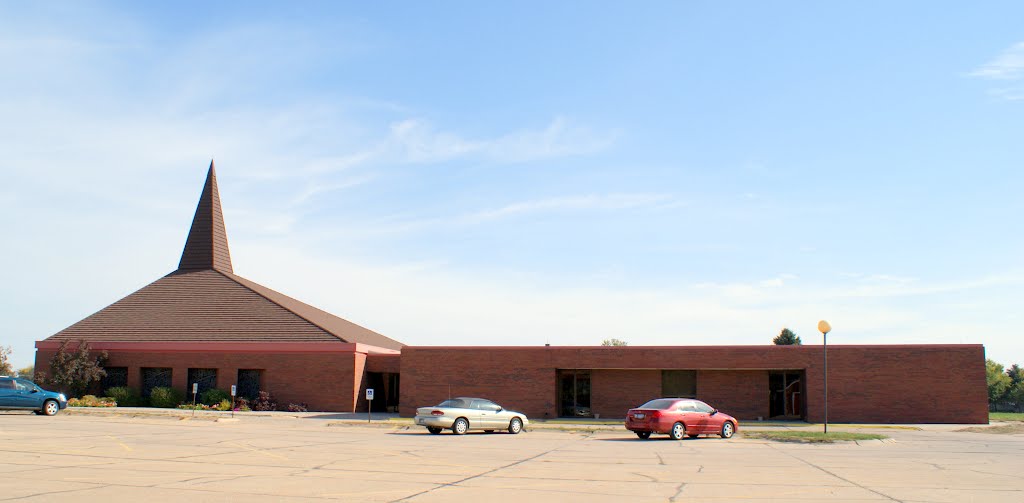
120 458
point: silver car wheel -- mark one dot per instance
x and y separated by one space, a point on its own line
50 408
678 430
515 426
727 430
461 426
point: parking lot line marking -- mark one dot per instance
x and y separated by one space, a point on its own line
265 453
119 442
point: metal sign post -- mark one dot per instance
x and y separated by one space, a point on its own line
369 403
233 400
195 389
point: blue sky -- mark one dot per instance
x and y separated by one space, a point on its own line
460 173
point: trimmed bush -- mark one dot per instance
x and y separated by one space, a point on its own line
264 402
92 401
214 396
197 406
297 407
167 398
124 396
224 405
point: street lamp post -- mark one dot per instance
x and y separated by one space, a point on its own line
825 328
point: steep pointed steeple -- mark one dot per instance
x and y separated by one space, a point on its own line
207 244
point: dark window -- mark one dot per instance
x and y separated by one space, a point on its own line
455 403
116 376
6 383
574 393
155 378
679 383
485 405
248 383
205 378
658 404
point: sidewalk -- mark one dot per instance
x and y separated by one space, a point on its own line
394 420
381 419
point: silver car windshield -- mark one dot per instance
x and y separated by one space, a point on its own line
455 403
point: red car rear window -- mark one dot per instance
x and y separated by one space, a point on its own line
660 404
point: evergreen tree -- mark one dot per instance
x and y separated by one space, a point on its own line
787 338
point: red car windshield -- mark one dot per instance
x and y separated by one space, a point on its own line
660 404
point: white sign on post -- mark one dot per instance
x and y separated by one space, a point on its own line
369 406
195 388
232 390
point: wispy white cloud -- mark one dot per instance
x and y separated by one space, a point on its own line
440 302
1009 65
418 141
570 203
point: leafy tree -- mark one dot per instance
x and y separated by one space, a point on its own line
73 372
5 361
787 338
998 382
27 372
614 342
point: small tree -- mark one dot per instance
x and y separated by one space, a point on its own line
73 372
787 338
998 382
27 372
614 342
5 361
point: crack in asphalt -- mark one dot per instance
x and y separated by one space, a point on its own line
679 492
481 474
848 481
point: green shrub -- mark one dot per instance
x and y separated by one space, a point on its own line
124 396
167 398
224 405
214 396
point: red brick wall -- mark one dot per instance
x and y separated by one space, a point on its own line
323 381
903 384
897 384
384 363
613 392
742 394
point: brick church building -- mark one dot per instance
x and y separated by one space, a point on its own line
204 324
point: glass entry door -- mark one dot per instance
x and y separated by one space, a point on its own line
574 393
786 394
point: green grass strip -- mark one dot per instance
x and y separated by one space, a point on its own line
811 436
1006 416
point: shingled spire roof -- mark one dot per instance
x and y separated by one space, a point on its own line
204 301
207 244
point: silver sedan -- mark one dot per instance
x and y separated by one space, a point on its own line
463 414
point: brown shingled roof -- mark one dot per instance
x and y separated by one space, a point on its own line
211 306
204 301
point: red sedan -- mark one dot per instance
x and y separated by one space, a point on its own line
678 417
